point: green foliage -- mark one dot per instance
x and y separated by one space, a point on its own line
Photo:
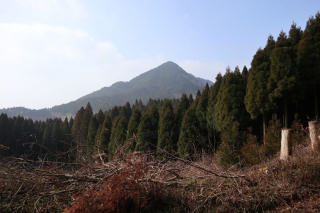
308 57
167 129
76 125
103 135
92 129
229 152
212 99
132 129
182 107
230 100
147 134
118 134
201 113
256 99
283 74
189 134
273 136
100 117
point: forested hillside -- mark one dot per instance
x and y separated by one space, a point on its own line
168 80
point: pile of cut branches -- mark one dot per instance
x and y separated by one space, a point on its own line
139 182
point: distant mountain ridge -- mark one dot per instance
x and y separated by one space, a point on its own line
168 80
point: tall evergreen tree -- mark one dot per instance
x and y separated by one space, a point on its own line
182 107
189 134
229 152
85 148
201 112
167 129
256 99
92 129
76 132
132 129
103 135
309 63
118 134
283 75
147 134
230 101
213 92
100 117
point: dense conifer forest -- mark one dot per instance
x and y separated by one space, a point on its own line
244 108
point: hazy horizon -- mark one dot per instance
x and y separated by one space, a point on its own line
56 51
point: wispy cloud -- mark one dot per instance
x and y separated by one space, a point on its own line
43 65
66 8
52 65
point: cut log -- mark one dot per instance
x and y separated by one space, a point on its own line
313 132
285 150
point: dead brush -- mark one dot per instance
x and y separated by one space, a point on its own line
135 188
272 184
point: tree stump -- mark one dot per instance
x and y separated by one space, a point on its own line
285 150
313 132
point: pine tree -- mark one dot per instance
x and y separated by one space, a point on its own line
230 101
147 134
100 117
4 130
76 126
92 129
56 145
181 108
118 134
85 147
167 129
189 134
213 92
190 100
256 100
283 75
132 129
201 112
67 138
245 73
103 135
309 63
229 152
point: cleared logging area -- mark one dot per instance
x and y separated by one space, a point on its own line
140 183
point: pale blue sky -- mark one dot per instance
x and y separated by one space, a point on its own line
54 51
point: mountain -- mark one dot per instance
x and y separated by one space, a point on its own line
168 80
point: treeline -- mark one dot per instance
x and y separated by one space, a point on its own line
239 117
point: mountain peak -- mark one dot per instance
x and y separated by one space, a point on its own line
168 80
170 64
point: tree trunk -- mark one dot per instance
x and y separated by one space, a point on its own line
285 114
264 129
313 132
316 104
285 150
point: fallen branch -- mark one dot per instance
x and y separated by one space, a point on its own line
69 176
190 163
